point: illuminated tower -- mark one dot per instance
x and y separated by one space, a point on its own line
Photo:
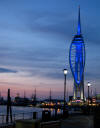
77 61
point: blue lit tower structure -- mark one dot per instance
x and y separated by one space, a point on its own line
77 62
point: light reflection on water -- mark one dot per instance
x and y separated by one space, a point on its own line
19 109
28 112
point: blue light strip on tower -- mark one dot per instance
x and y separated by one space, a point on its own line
77 55
79 59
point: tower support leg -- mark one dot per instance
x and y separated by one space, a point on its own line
82 92
75 93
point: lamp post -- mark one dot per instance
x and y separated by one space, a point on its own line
89 84
65 73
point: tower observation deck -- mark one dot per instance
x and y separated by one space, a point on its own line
77 61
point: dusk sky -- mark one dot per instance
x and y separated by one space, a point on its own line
35 36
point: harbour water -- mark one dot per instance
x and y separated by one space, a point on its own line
19 109
19 112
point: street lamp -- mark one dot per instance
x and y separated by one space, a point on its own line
65 73
89 84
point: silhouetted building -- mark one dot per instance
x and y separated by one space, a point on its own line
70 98
20 101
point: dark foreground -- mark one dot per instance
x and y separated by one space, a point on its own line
85 118
79 121
75 121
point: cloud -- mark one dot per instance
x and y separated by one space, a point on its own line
5 70
40 43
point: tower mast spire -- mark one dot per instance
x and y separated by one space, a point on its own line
79 23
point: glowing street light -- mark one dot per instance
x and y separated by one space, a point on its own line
89 84
65 73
